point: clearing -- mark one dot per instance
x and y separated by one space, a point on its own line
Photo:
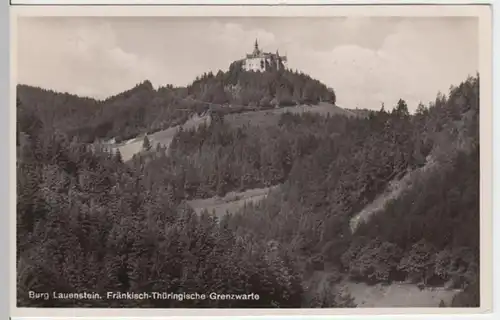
394 295
130 147
272 116
230 203
398 295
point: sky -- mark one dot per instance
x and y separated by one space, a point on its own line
366 60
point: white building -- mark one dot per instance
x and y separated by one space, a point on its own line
259 61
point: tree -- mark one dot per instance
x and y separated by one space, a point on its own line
401 109
419 261
421 109
375 261
329 294
146 145
118 156
382 108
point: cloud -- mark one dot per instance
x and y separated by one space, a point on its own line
234 34
366 60
83 59
414 62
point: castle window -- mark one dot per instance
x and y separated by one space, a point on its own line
262 64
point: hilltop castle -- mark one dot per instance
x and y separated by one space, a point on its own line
260 61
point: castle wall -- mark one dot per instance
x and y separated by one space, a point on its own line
283 65
254 64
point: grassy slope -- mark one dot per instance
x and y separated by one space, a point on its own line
231 203
271 117
130 147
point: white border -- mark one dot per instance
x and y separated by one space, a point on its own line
237 2
483 12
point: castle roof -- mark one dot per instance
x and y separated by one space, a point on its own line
265 55
257 53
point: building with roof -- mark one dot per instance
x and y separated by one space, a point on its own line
260 61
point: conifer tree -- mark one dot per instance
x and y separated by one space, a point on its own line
146 145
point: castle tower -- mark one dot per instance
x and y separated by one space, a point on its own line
256 49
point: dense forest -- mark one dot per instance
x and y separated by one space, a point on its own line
88 222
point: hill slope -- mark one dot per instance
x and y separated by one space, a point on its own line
271 117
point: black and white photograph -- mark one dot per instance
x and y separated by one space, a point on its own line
248 161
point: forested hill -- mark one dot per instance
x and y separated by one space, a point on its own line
143 109
123 116
277 88
88 222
